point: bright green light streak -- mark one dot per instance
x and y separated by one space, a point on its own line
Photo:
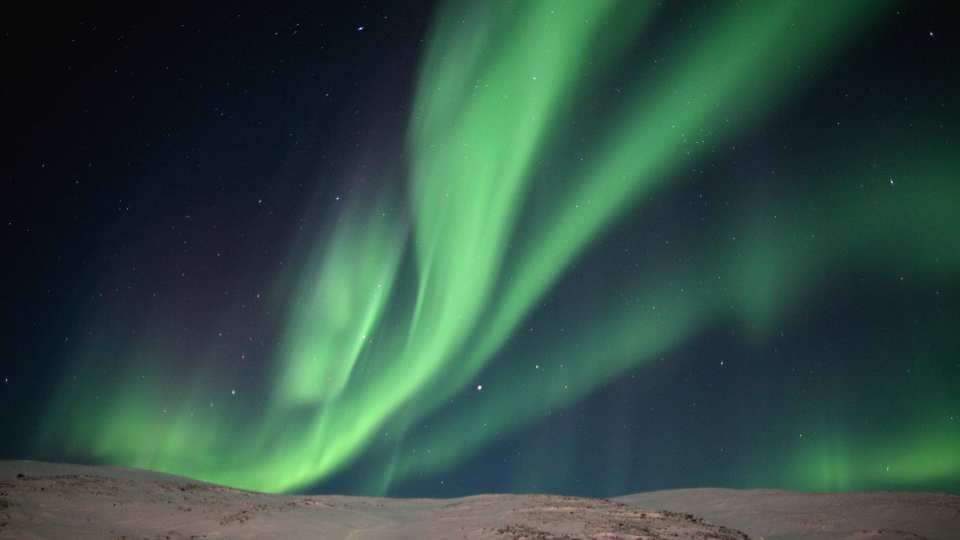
497 83
336 309
774 261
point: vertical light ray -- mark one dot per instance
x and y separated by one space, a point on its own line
395 312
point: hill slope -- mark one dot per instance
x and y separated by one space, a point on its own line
784 515
48 500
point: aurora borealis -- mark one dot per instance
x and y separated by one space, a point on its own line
603 247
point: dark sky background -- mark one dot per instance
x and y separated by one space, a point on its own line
166 168
161 158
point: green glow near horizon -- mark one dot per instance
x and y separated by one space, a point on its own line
490 232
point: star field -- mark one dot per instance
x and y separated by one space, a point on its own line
437 249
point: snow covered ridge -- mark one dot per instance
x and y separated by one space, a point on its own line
50 500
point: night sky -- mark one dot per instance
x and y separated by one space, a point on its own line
436 249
